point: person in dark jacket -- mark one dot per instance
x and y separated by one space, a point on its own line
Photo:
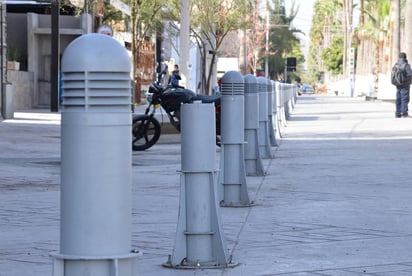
175 76
402 91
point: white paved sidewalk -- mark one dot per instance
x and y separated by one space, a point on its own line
336 199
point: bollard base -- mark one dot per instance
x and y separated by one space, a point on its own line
184 264
71 265
236 204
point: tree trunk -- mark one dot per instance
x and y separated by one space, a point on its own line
347 36
395 30
408 29
184 49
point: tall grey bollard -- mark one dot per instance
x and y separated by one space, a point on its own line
289 89
264 138
275 112
199 241
271 126
232 163
253 162
280 99
96 165
7 101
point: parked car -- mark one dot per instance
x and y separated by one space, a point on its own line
307 89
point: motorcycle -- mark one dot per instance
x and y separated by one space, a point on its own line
146 129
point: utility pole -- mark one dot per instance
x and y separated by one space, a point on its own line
408 29
2 53
396 21
55 59
184 49
267 45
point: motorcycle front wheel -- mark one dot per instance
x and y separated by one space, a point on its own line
145 132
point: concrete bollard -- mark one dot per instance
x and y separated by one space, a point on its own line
253 162
289 100
271 126
275 112
232 165
7 101
286 94
199 236
279 105
264 138
96 164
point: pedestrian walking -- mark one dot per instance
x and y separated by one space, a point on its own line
401 77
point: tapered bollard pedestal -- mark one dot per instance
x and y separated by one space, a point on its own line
199 237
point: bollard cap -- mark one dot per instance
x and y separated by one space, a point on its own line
232 83
251 84
95 52
96 75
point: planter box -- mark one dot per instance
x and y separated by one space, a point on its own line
13 65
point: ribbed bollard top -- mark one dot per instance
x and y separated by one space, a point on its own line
269 85
251 84
96 75
232 83
273 85
262 85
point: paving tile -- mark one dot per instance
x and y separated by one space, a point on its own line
335 200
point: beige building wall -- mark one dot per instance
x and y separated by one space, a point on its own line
31 34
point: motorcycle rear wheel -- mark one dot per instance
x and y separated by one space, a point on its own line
145 132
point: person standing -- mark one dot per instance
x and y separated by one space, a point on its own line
402 89
175 76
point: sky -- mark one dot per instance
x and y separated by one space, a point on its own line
303 19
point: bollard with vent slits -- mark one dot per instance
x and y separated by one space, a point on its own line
232 165
253 162
96 165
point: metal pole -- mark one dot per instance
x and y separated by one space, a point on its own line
3 52
184 52
55 60
267 46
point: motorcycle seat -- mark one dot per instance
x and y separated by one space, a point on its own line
207 99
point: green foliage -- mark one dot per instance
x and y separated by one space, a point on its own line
377 20
211 21
326 24
216 18
12 52
111 14
332 57
283 39
148 16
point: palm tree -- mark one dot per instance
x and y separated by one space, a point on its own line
408 29
326 24
373 36
395 29
282 38
347 33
